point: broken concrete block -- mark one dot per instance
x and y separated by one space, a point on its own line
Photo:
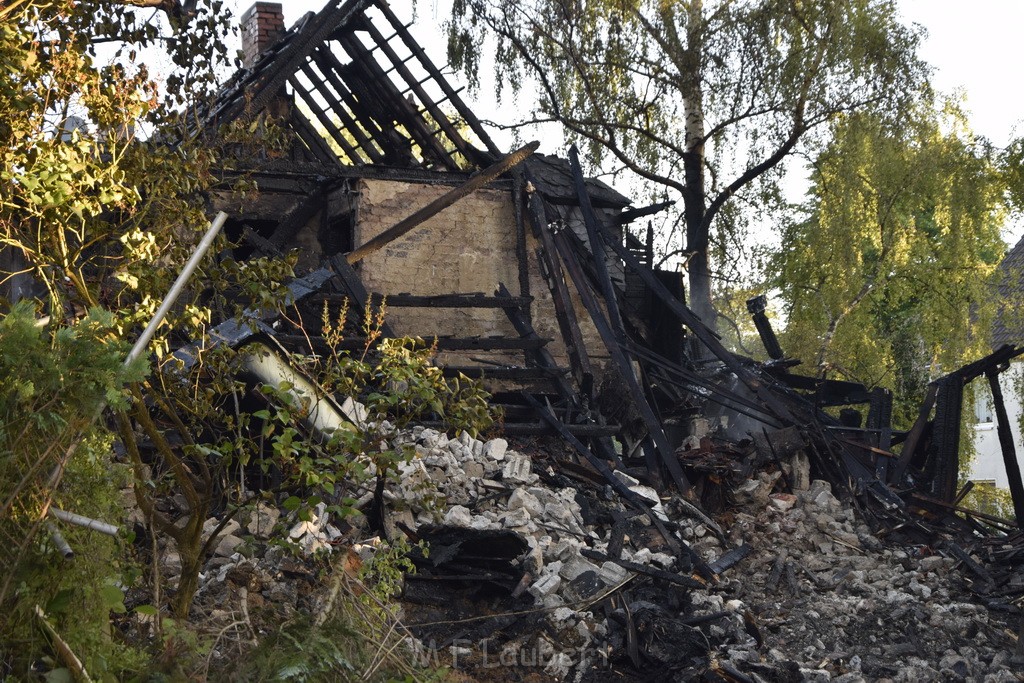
227 545
517 470
521 498
546 585
575 566
495 449
263 520
626 479
517 517
458 515
612 574
782 501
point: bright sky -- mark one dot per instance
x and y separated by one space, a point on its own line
973 49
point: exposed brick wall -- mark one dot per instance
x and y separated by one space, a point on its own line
468 247
262 25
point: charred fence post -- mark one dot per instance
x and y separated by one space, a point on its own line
756 307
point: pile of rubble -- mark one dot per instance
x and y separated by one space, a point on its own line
559 577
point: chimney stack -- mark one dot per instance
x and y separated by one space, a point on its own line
262 26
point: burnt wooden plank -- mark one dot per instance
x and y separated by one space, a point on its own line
621 363
375 78
319 344
522 258
544 358
1006 446
440 118
703 333
914 435
602 467
630 215
465 112
329 126
565 315
354 285
349 124
446 301
297 218
475 182
502 372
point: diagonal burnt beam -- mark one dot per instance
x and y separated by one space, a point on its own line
1006 446
621 363
475 182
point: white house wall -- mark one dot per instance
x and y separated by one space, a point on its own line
988 460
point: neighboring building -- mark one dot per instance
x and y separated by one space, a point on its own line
988 466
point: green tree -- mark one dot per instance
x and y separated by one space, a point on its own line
886 277
703 100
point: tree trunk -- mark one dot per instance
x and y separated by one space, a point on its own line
695 196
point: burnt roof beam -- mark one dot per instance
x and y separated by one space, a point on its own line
325 121
442 82
403 112
439 116
362 141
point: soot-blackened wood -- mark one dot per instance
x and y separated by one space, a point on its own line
631 215
315 142
402 111
565 314
294 221
454 301
475 182
1007 447
622 364
325 121
465 112
522 258
319 344
880 419
703 333
440 118
544 358
913 439
349 125
671 577
354 285
601 466
731 558
756 307
946 437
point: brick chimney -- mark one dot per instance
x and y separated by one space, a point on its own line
262 25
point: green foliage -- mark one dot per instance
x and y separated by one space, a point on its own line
887 278
52 383
703 100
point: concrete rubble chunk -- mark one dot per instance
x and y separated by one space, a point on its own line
575 566
458 515
517 470
495 449
521 498
545 585
516 518
226 545
612 574
264 518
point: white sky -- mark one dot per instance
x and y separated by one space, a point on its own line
973 47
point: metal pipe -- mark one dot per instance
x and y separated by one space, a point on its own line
177 287
87 522
59 542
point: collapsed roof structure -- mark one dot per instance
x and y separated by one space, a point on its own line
534 282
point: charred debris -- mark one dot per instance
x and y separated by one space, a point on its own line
529 276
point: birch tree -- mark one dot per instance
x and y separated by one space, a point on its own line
887 276
702 100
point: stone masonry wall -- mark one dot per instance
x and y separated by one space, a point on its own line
468 247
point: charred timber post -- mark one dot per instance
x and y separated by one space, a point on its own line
1007 447
622 364
475 182
756 307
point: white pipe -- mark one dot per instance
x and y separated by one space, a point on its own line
87 522
176 288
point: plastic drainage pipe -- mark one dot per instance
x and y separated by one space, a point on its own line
179 284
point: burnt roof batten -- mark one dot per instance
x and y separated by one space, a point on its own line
362 142
439 116
404 114
326 122
453 97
